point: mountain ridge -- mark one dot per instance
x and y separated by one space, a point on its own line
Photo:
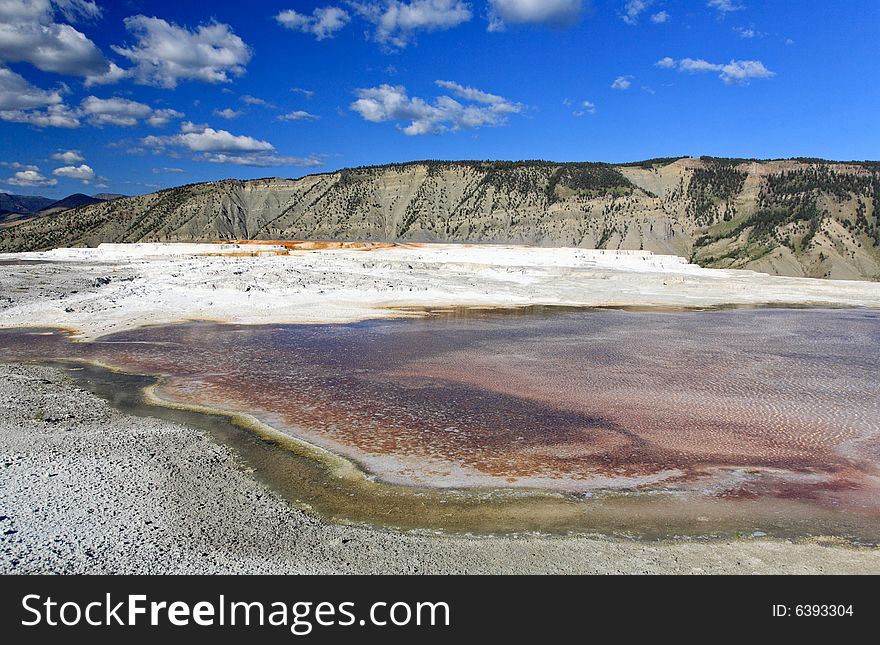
14 209
804 217
23 204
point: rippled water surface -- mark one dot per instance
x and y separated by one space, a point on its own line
778 406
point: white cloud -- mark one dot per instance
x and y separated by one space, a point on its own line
622 83
587 107
740 71
222 147
16 93
83 173
69 156
298 115
697 65
112 76
201 138
736 72
54 116
25 10
161 118
253 100
76 9
725 6
157 171
306 93
633 9
114 111
391 103
14 165
660 17
125 113
30 178
323 23
29 33
228 113
552 13
259 160
470 93
748 32
165 53
18 100
396 23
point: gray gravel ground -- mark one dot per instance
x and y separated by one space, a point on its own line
85 489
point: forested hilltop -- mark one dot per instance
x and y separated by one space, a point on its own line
790 217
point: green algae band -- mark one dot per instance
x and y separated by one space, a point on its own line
646 423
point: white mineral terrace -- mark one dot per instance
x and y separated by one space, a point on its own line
120 286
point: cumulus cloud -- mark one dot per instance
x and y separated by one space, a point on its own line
586 107
112 76
83 173
633 9
23 102
260 160
396 23
552 13
306 93
75 10
660 17
16 93
298 115
622 83
472 93
736 72
19 101
391 103
161 118
69 156
114 111
725 6
29 33
253 100
125 112
228 113
15 165
222 147
164 53
201 138
323 23
54 116
748 32
30 178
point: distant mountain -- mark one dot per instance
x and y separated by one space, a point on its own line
77 200
23 203
17 208
798 217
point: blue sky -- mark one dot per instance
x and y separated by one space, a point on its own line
131 96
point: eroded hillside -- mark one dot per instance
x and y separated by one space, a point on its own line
794 217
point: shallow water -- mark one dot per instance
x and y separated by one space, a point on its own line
675 422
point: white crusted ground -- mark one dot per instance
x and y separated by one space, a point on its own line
115 287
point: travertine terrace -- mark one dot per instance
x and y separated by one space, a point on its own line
116 287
